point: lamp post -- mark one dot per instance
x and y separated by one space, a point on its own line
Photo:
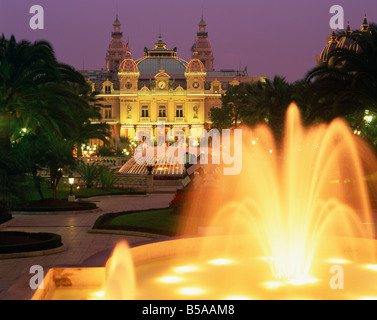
71 180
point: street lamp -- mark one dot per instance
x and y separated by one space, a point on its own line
71 180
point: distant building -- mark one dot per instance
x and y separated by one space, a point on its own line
160 86
343 40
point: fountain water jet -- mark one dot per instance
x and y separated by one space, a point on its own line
297 209
120 277
294 197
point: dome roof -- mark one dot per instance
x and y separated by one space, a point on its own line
117 44
195 66
331 45
343 40
202 44
128 65
153 65
161 58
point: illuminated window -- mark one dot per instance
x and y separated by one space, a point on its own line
145 111
162 111
108 112
179 112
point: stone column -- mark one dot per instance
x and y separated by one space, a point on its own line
149 182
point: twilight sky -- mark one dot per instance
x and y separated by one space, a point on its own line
271 37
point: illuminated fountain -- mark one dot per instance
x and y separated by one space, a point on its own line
295 224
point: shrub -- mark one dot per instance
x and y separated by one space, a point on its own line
5 214
107 178
177 200
181 199
105 151
89 172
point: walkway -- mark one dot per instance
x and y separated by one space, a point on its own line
73 228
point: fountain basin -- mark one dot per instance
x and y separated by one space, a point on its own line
209 268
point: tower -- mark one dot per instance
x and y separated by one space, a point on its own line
202 48
128 75
195 75
365 26
117 50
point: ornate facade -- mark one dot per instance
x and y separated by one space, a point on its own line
342 40
160 87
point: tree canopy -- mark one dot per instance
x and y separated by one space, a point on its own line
46 108
265 101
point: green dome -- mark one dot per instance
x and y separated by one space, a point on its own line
153 65
161 58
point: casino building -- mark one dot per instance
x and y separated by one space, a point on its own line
138 94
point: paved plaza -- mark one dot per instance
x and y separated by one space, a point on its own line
80 245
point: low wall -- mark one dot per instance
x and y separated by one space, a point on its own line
167 183
143 183
135 182
107 161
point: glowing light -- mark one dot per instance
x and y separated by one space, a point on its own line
253 142
302 281
368 298
220 261
170 279
372 267
185 269
98 295
191 291
267 258
338 261
273 284
368 118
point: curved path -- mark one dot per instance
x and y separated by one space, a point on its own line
73 227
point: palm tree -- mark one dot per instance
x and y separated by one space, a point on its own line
265 101
234 101
24 69
268 101
276 99
87 113
48 98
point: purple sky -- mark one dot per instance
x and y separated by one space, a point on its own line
272 37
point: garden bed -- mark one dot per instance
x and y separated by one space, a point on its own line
18 241
157 221
55 205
